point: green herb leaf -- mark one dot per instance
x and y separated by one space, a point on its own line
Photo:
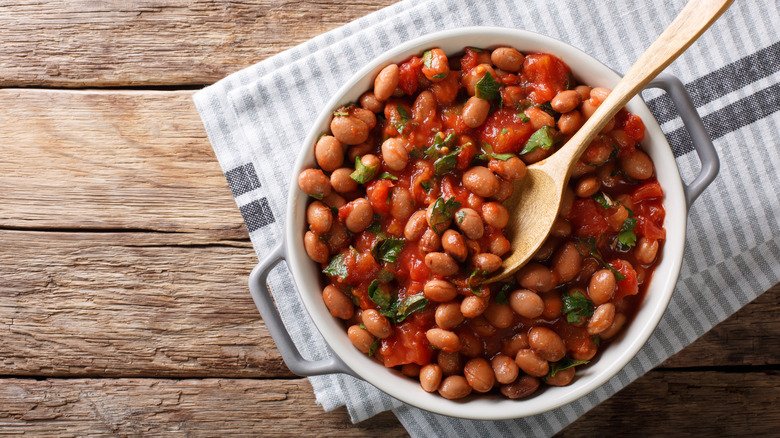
504 131
363 326
443 210
476 49
440 76
426 186
381 297
341 112
385 175
563 364
502 157
426 58
446 163
576 305
501 296
384 276
416 153
523 118
544 137
389 249
337 267
374 346
570 82
596 340
318 196
405 117
409 305
375 228
596 255
362 173
603 200
626 236
487 88
547 107
478 290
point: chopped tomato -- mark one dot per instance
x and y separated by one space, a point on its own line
629 285
364 241
505 131
407 344
471 59
466 154
451 119
412 264
647 190
586 218
631 124
360 267
378 193
576 339
547 74
408 72
646 227
651 209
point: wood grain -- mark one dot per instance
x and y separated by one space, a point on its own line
119 160
84 43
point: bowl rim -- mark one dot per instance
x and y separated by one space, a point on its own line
596 374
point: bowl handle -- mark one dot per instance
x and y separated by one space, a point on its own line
265 304
710 164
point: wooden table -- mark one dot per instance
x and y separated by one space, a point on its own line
123 301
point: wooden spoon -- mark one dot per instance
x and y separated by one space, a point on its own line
534 205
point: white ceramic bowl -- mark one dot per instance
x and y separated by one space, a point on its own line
613 358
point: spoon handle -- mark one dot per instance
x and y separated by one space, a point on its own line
692 21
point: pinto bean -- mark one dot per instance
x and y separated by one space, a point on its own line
450 362
539 117
601 286
394 153
377 324
430 377
473 306
566 262
341 181
517 342
570 122
507 59
504 368
444 340
313 182
486 262
637 165
424 108
481 181
337 303
361 215
329 153
547 344
349 130
401 203
479 374
319 217
315 248
429 242
646 250
505 190
565 101
531 363
360 338
454 245
614 329
369 101
536 277
561 377
454 387
415 226
441 263
499 245
511 169
470 344
587 186
448 315
470 223
440 290
522 387
526 303
499 315
602 319
475 111
386 82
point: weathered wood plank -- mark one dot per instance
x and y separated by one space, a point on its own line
661 403
110 160
160 304
129 304
83 43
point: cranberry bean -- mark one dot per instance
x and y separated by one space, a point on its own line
601 286
499 245
536 277
561 228
334 200
570 122
587 108
599 95
614 329
329 153
522 387
314 182
508 59
531 363
437 221
637 165
415 226
361 215
505 190
470 223
608 176
479 374
504 368
454 387
499 315
439 290
517 342
454 245
473 247
511 169
480 324
602 319
481 181
470 344
319 217
441 263
596 154
646 250
587 186
526 303
337 303
546 250
394 153
430 377
360 338
470 79
567 200
410 369
337 239
361 149
386 82
435 65
341 181
370 102
448 315
377 324
561 378
364 115
429 242
401 203
349 130
547 344
567 262
370 160
450 362
475 111
583 91
315 248
566 101
444 340
424 108
539 117
473 306
486 262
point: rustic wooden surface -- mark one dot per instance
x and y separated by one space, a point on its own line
123 300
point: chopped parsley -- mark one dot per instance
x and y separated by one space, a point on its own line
487 88
596 255
318 196
501 296
603 200
341 112
386 175
442 211
363 173
389 249
576 306
523 118
337 267
426 58
400 310
460 217
405 117
374 346
501 157
426 186
379 296
626 236
478 290
563 364
544 137
446 163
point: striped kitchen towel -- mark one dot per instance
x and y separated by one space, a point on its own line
257 118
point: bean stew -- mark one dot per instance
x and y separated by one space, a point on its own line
406 219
